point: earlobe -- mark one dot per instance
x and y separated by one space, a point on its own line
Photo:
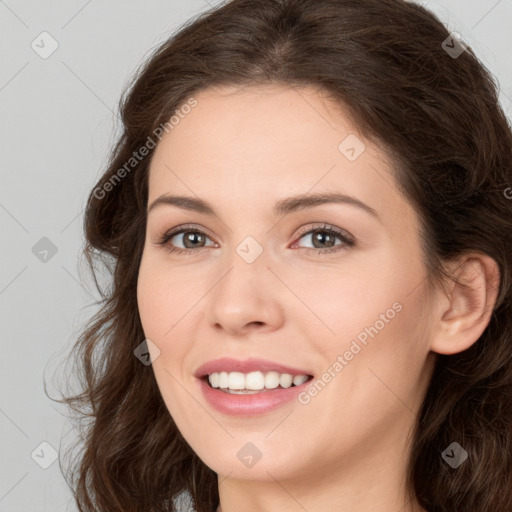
467 305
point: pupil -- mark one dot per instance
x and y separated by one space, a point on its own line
320 236
191 237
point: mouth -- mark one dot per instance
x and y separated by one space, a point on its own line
250 387
239 383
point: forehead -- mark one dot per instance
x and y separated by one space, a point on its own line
263 121
270 141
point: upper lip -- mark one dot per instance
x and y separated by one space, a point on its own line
227 364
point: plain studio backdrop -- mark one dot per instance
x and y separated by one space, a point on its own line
64 65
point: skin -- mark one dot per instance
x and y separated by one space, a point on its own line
346 450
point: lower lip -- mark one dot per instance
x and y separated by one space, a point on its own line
250 404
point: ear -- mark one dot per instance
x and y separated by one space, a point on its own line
464 310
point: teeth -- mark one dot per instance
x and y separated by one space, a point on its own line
286 380
271 380
299 379
214 380
254 380
223 380
237 382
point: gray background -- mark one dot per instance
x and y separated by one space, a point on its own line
58 123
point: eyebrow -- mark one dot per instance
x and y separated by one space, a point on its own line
282 207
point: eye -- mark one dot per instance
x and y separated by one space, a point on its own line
193 239
324 237
190 237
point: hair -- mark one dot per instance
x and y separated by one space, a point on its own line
440 119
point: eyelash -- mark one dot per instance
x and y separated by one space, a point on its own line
347 240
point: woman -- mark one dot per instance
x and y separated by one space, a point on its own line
310 239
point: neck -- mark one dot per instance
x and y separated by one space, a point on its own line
285 497
355 483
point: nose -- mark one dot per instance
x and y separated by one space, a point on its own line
247 297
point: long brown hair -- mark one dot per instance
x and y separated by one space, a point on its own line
436 112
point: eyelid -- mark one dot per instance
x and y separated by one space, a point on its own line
347 239
183 227
164 238
327 227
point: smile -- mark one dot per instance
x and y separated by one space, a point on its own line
250 387
253 382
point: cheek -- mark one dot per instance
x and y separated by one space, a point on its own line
159 310
160 297
344 305
383 358
149 301
166 304
377 321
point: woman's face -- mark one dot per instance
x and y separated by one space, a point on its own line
268 288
